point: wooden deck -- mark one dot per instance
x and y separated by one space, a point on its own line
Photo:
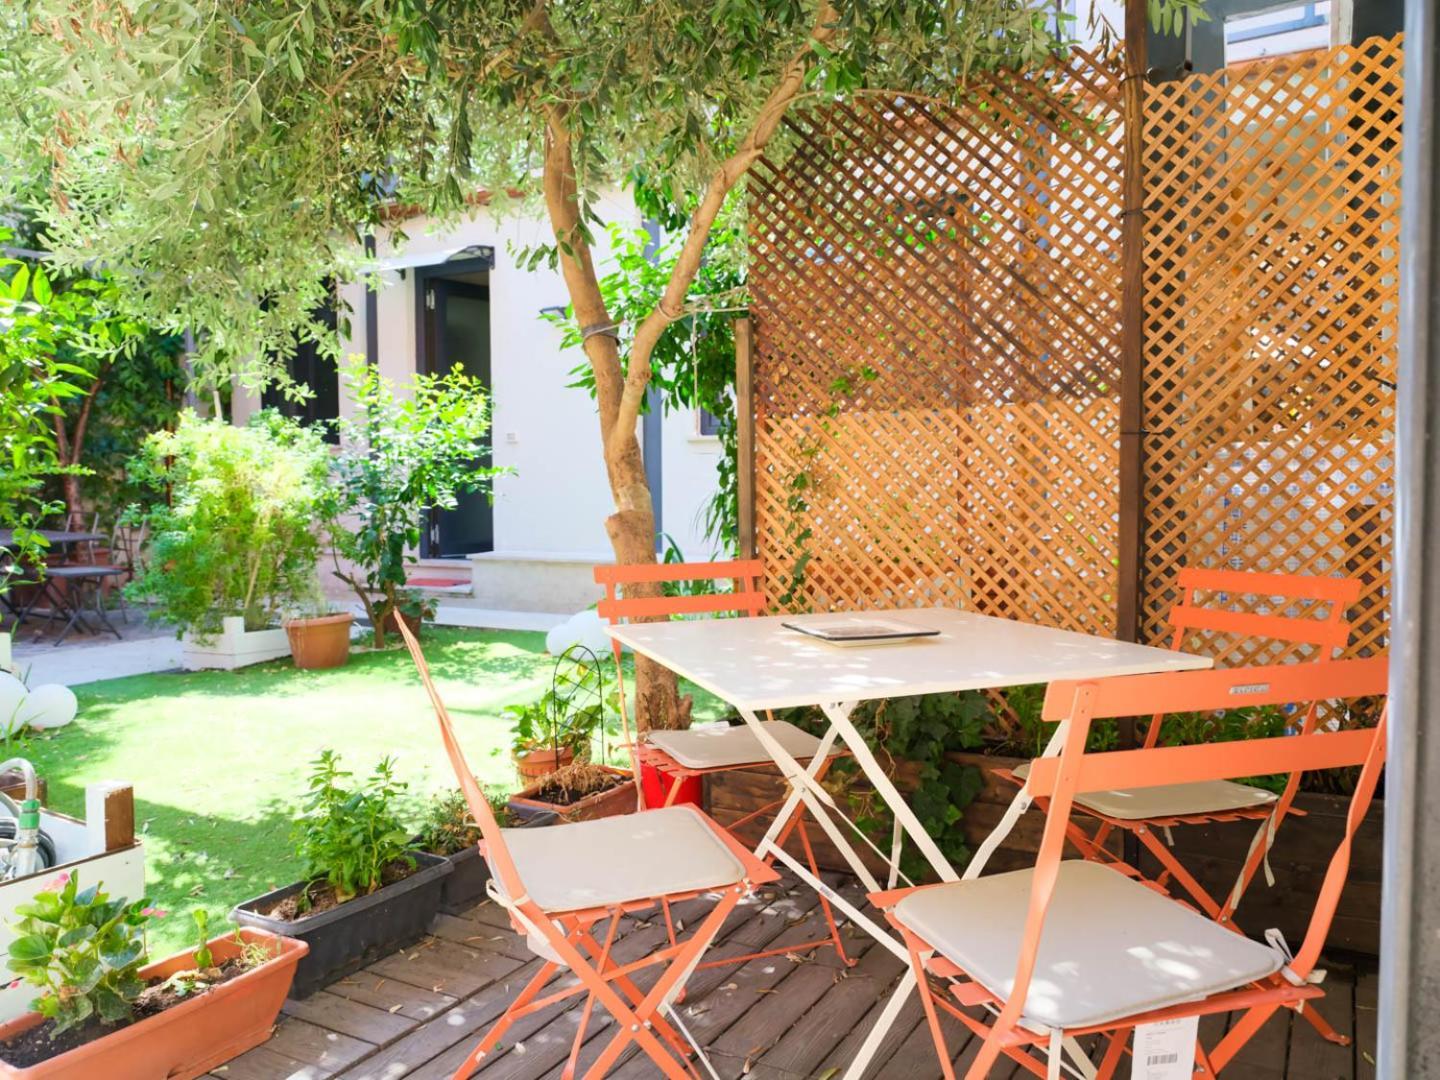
417 1013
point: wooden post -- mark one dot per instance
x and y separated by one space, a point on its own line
745 436
110 814
1132 331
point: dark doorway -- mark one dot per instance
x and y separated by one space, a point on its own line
454 329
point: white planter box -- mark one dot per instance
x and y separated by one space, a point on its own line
80 848
233 647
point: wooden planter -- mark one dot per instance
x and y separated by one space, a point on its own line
618 800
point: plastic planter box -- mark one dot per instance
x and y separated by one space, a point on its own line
186 1040
470 873
358 932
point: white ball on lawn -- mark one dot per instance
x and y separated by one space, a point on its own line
589 630
49 706
560 637
12 698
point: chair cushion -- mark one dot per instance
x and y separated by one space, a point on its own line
718 746
1110 948
614 860
1170 800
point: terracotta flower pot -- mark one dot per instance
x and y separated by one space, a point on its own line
537 763
388 626
322 642
189 1039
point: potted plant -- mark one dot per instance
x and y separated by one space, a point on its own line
541 741
102 1011
412 607
405 455
236 542
319 635
578 792
449 830
559 727
365 892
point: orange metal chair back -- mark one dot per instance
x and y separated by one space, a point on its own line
746 599
1061 778
1327 635
496 853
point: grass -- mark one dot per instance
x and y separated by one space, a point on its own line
219 759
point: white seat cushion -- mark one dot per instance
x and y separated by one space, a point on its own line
1170 800
614 860
1110 947
717 746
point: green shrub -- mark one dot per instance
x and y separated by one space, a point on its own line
239 535
448 826
348 837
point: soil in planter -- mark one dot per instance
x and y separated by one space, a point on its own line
575 782
36 1045
322 895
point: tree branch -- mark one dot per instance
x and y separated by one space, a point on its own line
687 265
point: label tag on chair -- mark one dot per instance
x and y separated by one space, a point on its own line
1165 1050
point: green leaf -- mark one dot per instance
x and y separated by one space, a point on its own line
30 948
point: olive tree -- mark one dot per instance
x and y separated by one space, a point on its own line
228 156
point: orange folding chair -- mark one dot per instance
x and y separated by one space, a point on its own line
559 884
705 751
1149 813
1074 947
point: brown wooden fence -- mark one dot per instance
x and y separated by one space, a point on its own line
938 323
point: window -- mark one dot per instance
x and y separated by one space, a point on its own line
1288 29
707 424
310 368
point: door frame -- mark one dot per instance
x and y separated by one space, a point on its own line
424 275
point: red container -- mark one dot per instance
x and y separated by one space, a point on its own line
656 787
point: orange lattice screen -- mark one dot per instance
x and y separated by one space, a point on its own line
937 298
1271 300
937 366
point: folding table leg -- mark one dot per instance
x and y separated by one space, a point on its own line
871 1046
839 715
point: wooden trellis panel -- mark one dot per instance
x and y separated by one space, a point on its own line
1272 290
937 294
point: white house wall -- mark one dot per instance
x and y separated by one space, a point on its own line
556 500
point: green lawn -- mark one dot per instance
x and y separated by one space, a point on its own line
219 759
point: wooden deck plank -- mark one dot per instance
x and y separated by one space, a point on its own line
391 995
460 1026
780 1018
324 1052
1263 1057
1314 1058
474 934
911 1014
445 967
262 1063
1367 1005
349 1017
806 1044
763 924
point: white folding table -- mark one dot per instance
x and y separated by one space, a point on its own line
757 664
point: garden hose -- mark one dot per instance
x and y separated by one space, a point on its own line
25 855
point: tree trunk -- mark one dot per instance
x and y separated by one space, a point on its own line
619 394
631 528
